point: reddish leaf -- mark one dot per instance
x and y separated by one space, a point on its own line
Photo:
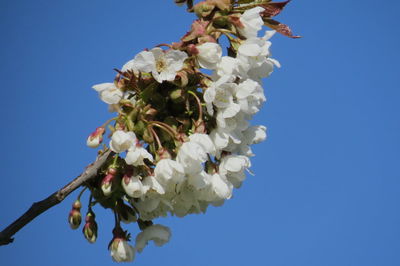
281 28
273 9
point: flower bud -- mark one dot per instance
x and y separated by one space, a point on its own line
182 79
107 185
177 95
95 139
119 248
75 217
90 228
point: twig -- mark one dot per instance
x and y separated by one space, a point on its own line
39 207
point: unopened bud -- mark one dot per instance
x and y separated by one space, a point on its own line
95 139
120 250
90 228
75 217
77 205
182 79
107 184
177 95
111 171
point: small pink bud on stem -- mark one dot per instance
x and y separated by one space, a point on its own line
96 138
75 217
90 227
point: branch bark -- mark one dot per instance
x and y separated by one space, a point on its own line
39 207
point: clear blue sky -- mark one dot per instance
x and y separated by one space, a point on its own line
326 190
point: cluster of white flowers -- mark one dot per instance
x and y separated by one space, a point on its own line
205 165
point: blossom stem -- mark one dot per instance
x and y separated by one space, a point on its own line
116 218
153 132
109 121
198 104
166 128
114 163
90 202
80 193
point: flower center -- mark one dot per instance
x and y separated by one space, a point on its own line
161 65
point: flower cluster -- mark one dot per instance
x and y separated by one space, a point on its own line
182 136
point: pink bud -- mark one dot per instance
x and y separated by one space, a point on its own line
74 218
95 139
90 228
107 184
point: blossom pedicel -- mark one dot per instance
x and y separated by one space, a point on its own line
181 136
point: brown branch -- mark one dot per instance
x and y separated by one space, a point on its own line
39 207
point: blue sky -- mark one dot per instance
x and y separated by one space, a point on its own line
326 190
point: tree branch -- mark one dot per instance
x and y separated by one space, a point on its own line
39 207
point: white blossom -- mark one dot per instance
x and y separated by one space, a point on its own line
159 234
209 55
228 67
168 170
251 21
151 185
221 188
199 180
204 141
162 64
255 134
191 156
221 95
133 186
250 96
122 141
108 93
136 154
233 166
